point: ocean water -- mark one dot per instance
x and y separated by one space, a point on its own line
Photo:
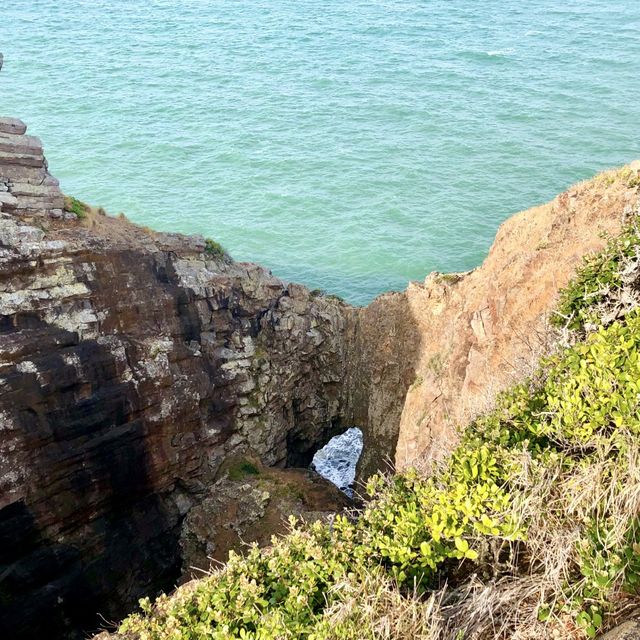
352 146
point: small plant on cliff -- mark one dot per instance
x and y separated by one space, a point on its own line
213 248
243 469
599 290
79 208
321 293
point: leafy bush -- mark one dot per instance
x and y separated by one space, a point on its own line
243 469
316 293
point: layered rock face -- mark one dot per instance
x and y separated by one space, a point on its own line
131 366
26 188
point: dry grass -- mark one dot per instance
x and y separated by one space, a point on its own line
374 608
504 599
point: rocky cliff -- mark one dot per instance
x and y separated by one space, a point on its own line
425 361
148 383
479 332
132 366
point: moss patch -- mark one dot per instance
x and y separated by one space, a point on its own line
242 469
79 208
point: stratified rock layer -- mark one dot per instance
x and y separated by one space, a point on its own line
26 187
131 367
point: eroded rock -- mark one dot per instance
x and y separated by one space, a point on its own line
250 503
131 368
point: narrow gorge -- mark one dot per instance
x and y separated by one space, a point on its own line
160 402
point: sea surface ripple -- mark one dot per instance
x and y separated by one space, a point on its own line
351 146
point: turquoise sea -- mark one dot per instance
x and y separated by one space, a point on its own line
350 145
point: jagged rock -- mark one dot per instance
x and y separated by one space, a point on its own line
250 503
8 200
481 332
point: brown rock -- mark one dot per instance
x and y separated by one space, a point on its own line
8 158
483 331
251 503
20 144
12 126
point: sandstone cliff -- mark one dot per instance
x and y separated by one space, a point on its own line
135 367
424 361
481 331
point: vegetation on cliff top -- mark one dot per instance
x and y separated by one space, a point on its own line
531 525
213 248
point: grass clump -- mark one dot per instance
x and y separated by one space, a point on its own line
450 278
79 208
321 293
242 470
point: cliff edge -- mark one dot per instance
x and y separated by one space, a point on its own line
133 366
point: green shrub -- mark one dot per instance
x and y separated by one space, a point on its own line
73 205
213 248
243 469
596 279
317 293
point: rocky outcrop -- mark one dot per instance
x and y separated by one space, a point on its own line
628 630
482 331
26 187
250 503
425 361
132 365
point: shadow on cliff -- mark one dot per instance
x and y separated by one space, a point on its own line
85 534
385 347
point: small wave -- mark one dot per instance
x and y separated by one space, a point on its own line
503 53
337 460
